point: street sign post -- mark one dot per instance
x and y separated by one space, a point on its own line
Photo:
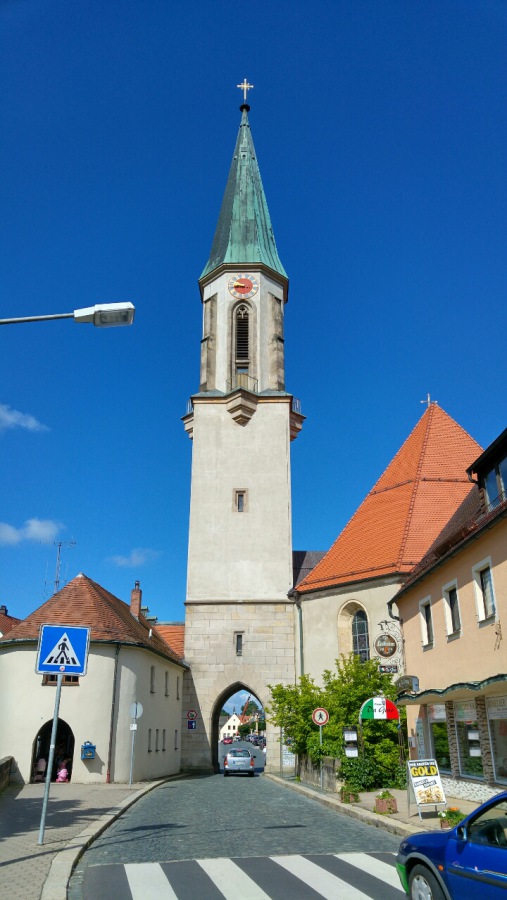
136 711
320 717
192 714
62 650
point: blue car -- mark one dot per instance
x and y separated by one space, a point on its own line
468 862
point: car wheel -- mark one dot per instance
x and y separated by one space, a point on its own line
225 773
423 885
251 774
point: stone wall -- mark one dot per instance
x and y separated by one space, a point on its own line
309 773
5 771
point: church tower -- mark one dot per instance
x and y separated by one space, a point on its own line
239 629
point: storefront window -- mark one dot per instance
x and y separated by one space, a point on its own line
497 722
467 734
439 739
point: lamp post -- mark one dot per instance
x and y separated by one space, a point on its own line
104 315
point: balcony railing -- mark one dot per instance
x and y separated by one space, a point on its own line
242 380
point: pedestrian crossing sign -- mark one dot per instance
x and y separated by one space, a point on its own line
62 649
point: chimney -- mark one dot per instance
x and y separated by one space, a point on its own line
3 609
135 600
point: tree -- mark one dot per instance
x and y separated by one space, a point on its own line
344 691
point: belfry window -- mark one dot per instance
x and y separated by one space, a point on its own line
360 641
242 339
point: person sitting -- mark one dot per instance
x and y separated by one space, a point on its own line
63 774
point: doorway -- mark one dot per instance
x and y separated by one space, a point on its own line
64 748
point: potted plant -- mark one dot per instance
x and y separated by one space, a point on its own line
450 817
385 803
348 793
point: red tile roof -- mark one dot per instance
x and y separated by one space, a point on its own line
174 635
7 622
83 602
406 509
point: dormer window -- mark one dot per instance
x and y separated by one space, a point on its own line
495 483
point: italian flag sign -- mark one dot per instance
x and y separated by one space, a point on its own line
379 708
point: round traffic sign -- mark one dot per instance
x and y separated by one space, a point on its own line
320 716
192 714
136 710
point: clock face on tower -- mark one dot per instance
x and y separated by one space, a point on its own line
243 286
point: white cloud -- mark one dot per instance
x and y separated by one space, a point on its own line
137 557
12 418
32 530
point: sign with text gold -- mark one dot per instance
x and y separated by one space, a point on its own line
426 782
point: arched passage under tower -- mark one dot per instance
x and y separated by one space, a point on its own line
249 711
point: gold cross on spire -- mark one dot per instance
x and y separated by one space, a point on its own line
245 86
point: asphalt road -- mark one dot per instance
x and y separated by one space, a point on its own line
236 818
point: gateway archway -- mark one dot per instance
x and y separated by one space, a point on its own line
220 703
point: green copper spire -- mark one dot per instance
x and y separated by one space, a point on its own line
244 233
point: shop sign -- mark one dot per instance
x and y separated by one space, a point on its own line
497 708
385 645
388 669
407 683
419 736
464 711
436 712
425 782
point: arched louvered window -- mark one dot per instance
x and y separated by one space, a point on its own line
242 339
360 640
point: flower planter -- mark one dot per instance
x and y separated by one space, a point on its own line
445 826
386 805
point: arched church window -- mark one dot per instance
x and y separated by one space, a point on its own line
242 339
360 640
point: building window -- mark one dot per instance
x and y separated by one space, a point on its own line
439 736
495 484
156 740
426 622
163 739
175 738
177 687
238 642
242 338
167 684
66 680
360 640
484 592
240 501
451 609
149 740
152 680
497 723
467 736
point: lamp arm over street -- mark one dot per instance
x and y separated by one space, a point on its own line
104 315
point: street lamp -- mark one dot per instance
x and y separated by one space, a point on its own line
105 315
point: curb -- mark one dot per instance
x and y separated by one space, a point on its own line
403 829
56 883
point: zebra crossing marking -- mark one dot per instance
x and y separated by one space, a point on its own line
376 867
231 880
147 881
321 881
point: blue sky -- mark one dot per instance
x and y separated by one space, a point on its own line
381 134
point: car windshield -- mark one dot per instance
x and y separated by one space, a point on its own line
239 753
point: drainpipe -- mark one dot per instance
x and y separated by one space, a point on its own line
293 594
390 608
113 706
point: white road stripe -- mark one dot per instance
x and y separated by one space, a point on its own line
373 866
231 880
147 881
325 884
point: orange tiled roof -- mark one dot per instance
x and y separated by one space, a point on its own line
7 622
406 509
83 602
174 635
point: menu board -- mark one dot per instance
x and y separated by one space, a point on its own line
426 782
